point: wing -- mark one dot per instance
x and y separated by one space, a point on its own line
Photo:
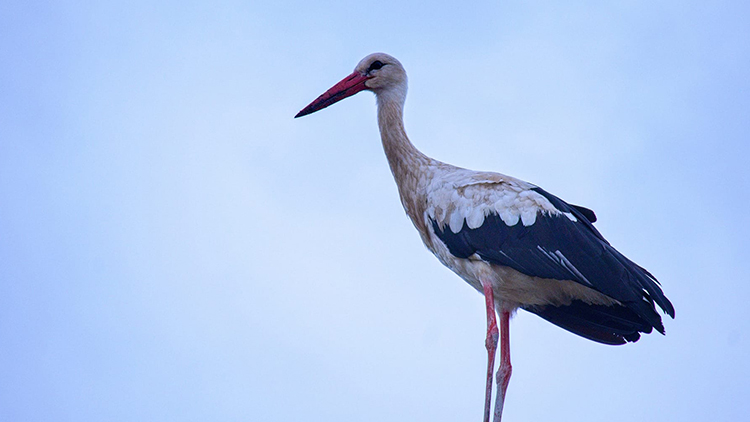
559 242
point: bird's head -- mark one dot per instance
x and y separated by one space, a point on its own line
378 72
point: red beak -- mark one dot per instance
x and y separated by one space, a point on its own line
348 86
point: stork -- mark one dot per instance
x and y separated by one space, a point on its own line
519 245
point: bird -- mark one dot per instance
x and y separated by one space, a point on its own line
517 244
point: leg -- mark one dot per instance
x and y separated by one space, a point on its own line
491 344
503 373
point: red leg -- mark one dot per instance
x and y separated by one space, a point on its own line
503 373
491 344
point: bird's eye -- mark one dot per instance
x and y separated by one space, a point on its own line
377 64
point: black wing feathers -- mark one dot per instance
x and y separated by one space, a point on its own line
589 214
604 324
556 247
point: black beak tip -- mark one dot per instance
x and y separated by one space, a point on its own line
303 112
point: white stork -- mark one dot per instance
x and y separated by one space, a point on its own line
518 244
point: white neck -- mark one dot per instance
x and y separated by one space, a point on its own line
403 157
408 165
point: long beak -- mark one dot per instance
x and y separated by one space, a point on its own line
348 86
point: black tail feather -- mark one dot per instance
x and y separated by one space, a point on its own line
613 325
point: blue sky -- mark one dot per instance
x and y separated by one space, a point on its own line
174 246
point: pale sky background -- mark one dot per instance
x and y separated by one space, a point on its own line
174 246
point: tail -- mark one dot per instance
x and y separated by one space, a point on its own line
612 325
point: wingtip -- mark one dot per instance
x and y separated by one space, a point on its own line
667 307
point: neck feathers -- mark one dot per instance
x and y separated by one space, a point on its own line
409 166
403 157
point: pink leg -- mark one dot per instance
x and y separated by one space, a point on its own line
503 373
491 344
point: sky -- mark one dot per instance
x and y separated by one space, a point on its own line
174 246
